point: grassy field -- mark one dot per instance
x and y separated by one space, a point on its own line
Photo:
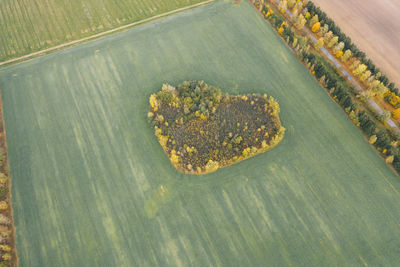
92 186
28 26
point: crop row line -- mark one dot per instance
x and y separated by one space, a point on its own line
98 35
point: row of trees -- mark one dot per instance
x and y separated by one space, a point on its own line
384 141
6 227
329 79
337 44
331 32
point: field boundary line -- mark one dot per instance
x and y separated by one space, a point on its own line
14 252
104 33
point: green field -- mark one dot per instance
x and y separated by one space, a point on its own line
28 26
92 186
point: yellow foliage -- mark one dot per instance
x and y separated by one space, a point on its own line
163 141
389 160
307 15
3 179
3 205
157 132
174 158
372 139
280 31
154 102
339 54
316 27
360 69
264 144
319 43
269 13
396 113
6 257
238 140
393 98
160 118
5 248
211 166
246 152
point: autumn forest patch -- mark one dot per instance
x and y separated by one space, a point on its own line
201 129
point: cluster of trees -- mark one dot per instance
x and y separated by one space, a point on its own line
347 49
201 130
190 98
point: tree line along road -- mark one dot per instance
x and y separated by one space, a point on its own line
348 76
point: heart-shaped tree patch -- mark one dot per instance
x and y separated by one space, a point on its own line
201 129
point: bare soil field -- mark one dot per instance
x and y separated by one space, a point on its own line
374 26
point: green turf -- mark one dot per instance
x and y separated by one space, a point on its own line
27 26
87 169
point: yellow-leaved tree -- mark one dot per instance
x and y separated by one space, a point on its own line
365 75
301 21
291 3
338 47
332 41
360 69
328 36
390 159
324 29
313 20
283 6
346 56
316 27
319 43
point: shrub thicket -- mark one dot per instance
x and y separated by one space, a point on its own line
201 129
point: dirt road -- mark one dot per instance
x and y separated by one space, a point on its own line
374 26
